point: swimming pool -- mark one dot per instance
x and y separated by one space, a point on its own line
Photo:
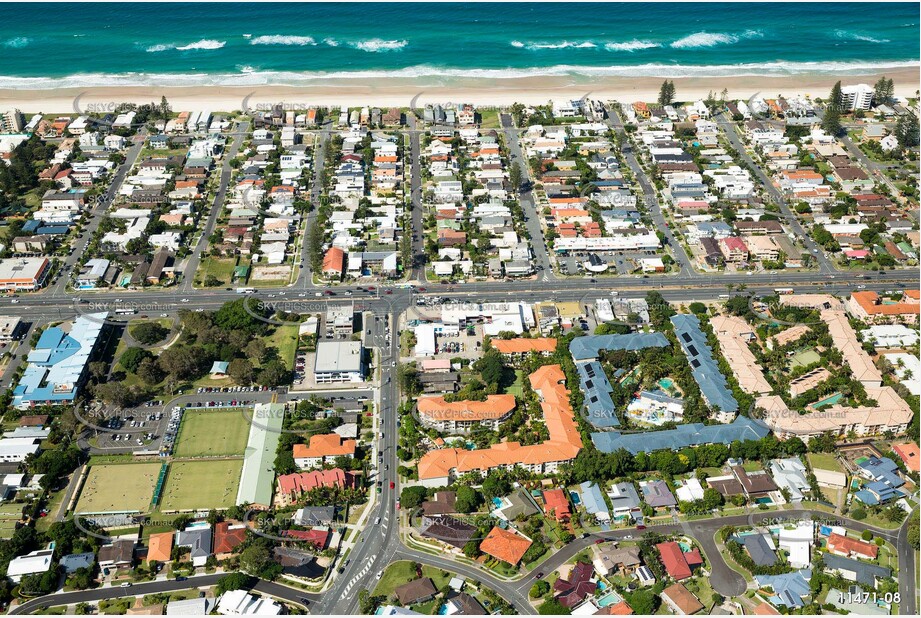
828 401
497 503
576 498
764 500
666 383
611 598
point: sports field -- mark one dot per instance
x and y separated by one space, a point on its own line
118 488
212 433
194 485
9 514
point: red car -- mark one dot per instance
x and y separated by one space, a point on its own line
392 485
420 289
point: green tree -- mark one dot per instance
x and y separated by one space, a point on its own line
831 120
241 371
274 373
133 357
149 333
552 607
539 589
906 131
412 497
514 176
468 499
233 581
883 91
666 92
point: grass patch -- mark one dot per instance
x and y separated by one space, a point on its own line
402 572
284 339
824 461
199 485
122 488
219 268
517 387
212 433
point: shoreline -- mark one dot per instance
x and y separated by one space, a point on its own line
399 92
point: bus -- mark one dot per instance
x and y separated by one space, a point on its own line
783 290
246 290
125 311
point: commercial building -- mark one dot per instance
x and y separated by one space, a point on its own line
339 361
23 274
58 362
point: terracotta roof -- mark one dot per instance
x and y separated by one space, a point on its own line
673 560
521 345
683 599
334 260
848 546
227 539
505 545
564 443
908 452
318 537
870 302
324 445
618 609
160 547
556 502
495 407
765 609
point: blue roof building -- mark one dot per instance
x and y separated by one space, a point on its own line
57 364
588 347
789 588
885 481
593 501
692 434
855 570
599 407
706 372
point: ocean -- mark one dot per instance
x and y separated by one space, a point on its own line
102 44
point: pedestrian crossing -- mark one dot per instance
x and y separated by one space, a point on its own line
358 576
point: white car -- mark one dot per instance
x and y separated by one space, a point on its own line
184 300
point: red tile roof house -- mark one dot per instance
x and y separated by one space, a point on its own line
673 560
318 537
733 249
557 504
293 486
227 538
572 591
851 548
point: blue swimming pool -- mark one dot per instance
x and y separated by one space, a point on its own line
497 503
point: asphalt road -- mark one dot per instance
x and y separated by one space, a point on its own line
526 198
650 198
730 130
193 261
305 275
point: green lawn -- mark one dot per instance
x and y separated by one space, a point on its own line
398 573
517 388
118 488
806 357
210 433
284 339
194 485
824 461
220 268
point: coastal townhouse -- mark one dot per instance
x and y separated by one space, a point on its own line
869 306
518 348
463 416
322 449
438 467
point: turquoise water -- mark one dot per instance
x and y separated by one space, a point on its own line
764 501
666 383
497 503
828 401
93 44
610 598
576 499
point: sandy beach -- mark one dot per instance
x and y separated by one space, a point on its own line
401 92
